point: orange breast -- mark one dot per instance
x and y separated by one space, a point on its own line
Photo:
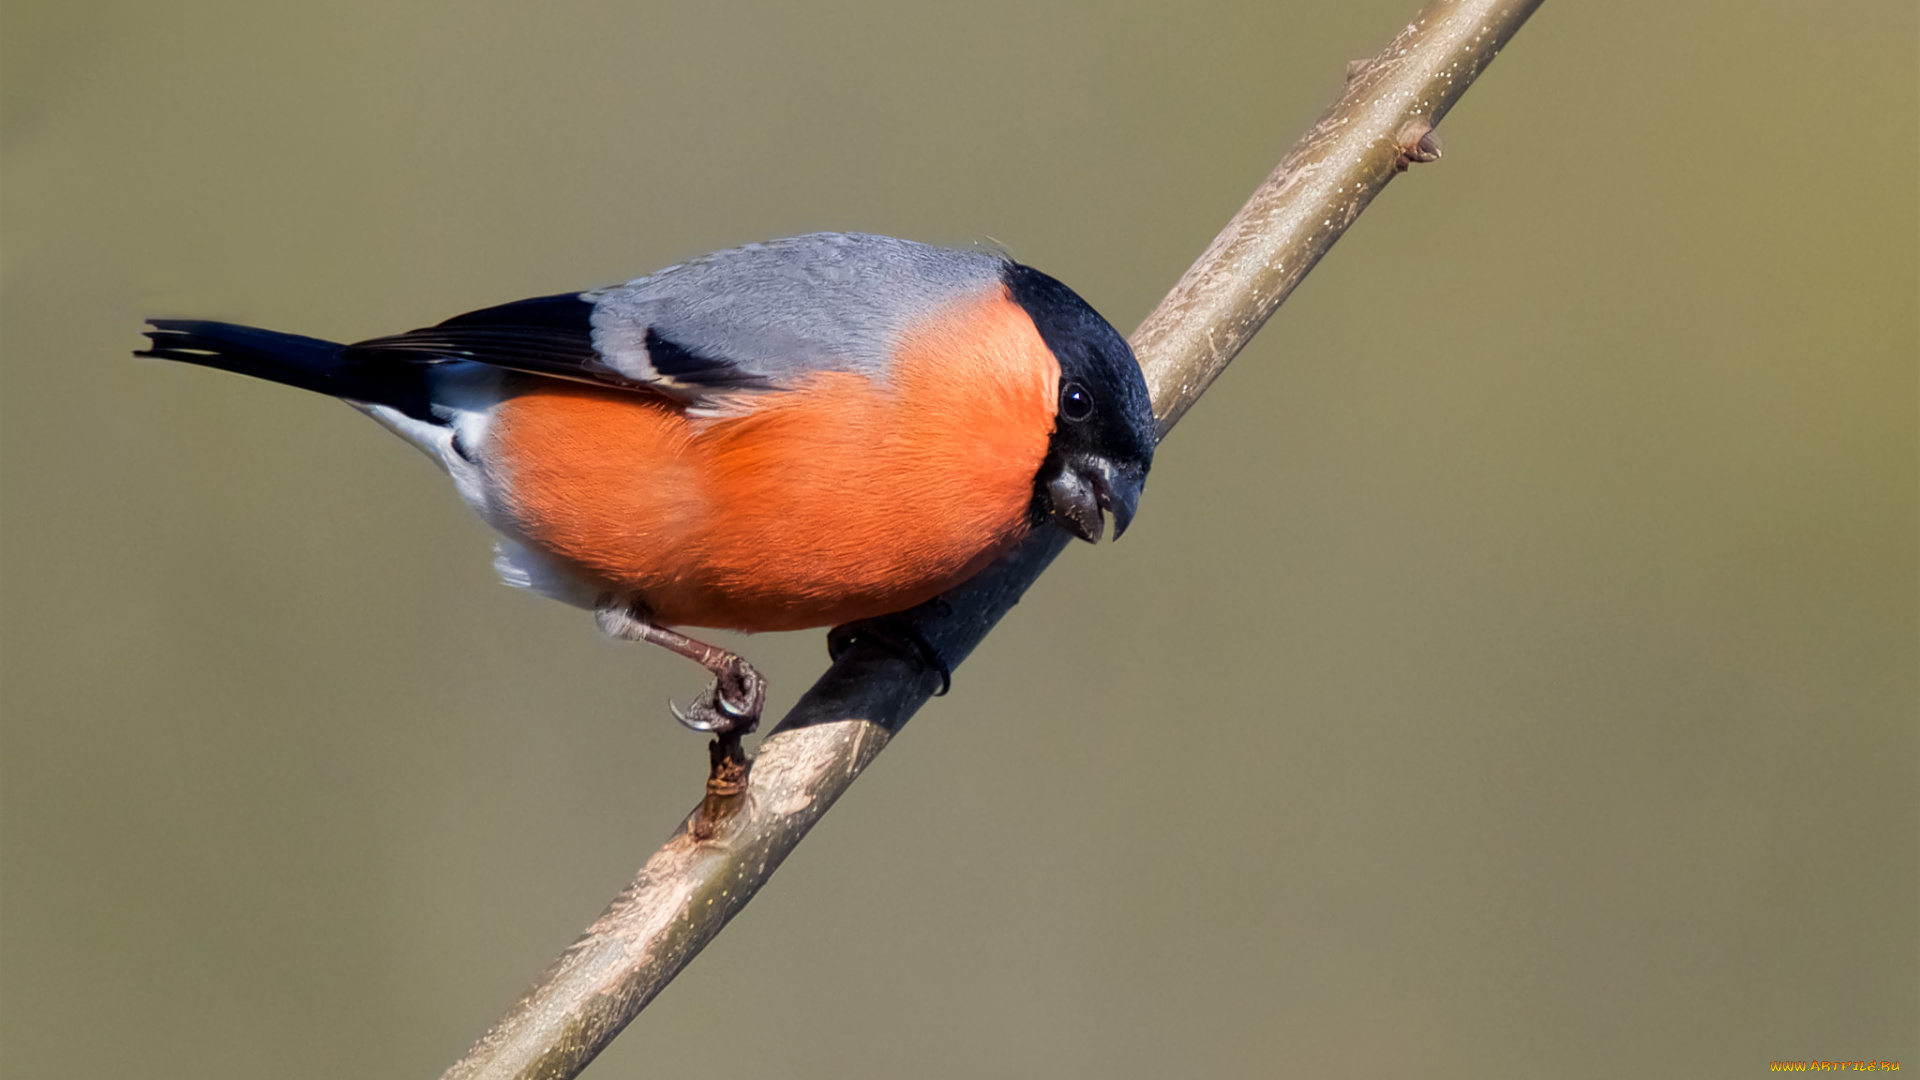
839 499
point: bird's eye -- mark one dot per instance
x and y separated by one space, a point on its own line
1075 403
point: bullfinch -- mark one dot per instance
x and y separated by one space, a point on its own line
799 433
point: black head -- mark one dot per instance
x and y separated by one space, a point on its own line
1103 429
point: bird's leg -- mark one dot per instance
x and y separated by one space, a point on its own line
729 709
731 706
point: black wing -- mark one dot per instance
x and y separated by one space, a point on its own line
553 335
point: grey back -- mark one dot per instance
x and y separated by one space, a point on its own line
775 311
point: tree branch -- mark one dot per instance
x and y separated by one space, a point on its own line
735 840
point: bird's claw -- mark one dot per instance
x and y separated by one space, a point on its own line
733 710
898 635
687 721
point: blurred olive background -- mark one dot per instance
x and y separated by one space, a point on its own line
1512 671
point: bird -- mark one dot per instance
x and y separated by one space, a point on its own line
798 433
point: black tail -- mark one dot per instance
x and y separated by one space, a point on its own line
308 363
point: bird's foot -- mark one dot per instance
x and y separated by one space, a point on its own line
898 636
730 707
731 704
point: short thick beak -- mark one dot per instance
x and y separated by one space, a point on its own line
1086 486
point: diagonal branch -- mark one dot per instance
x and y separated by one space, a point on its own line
735 840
